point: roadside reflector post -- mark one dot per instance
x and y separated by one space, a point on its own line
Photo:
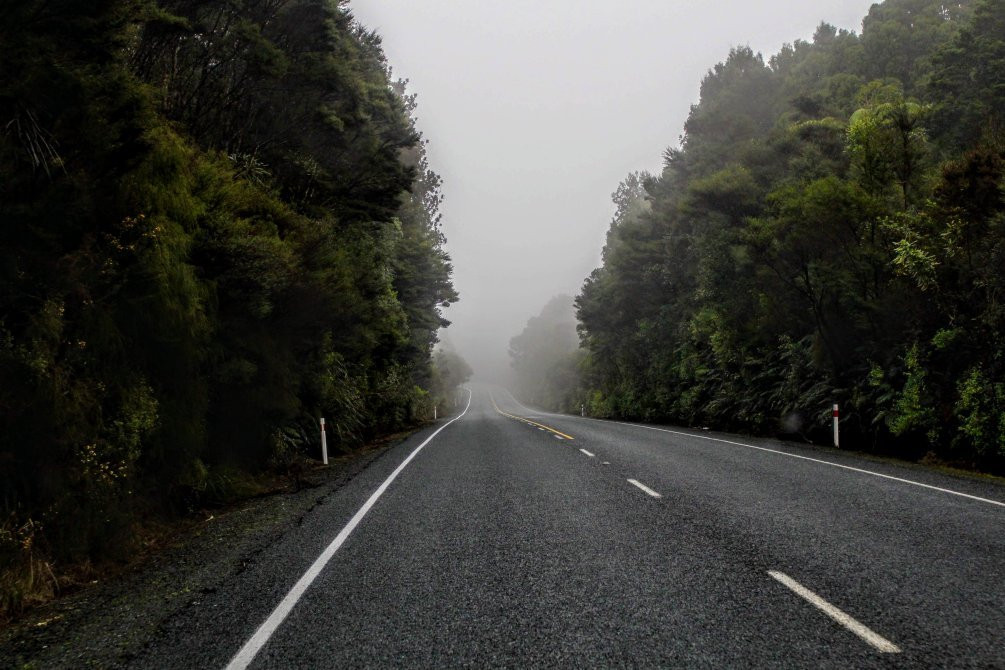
837 442
582 410
434 412
324 443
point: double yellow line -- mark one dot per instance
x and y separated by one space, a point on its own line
529 422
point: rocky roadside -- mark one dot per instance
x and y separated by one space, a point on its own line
105 625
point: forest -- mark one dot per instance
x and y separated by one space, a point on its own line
218 225
829 229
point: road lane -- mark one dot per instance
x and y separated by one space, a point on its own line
988 491
929 566
503 547
260 638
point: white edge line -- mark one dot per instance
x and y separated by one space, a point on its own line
782 453
817 460
849 622
649 491
588 453
247 653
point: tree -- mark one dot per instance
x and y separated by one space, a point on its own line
826 230
219 224
544 356
966 79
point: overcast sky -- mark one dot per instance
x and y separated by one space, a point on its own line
535 110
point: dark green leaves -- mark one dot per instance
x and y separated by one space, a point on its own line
829 231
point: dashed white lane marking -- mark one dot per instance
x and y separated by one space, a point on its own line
780 453
247 653
588 453
869 636
606 463
820 461
558 437
649 491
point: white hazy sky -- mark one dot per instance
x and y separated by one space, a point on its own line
536 110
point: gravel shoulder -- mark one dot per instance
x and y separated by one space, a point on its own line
108 624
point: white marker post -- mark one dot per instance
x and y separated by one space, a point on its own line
434 412
324 443
582 410
837 442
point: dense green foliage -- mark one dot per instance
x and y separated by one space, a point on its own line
830 230
218 225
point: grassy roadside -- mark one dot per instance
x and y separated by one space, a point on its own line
109 621
30 580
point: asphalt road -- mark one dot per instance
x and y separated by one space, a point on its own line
502 542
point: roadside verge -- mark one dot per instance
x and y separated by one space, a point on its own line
109 623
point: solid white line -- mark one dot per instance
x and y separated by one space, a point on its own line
782 453
874 639
645 488
588 453
254 644
817 460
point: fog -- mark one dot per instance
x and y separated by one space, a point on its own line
535 112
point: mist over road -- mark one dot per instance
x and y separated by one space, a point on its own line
517 538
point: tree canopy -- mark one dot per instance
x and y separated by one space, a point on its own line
219 224
829 230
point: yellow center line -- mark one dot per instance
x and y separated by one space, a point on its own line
528 421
